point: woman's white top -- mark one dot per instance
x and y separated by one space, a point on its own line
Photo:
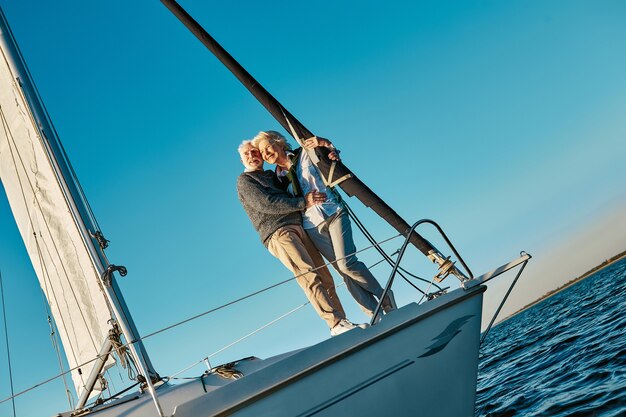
311 180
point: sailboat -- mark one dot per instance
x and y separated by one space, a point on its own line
394 367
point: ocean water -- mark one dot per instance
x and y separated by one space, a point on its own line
563 357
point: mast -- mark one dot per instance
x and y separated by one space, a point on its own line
48 193
346 179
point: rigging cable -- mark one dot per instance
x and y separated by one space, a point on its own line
51 323
247 296
11 140
6 338
55 251
205 359
58 175
43 266
290 312
243 338
97 357
55 345
369 237
97 233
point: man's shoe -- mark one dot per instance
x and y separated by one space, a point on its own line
343 326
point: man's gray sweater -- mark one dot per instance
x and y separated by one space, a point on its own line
268 206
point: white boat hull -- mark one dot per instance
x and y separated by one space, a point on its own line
420 360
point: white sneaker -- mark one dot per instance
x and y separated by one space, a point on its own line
343 326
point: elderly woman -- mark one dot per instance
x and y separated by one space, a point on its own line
327 224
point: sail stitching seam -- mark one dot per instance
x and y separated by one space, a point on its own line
58 255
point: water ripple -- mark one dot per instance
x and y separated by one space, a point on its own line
565 356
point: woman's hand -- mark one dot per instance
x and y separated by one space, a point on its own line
314 142
334 155
314 198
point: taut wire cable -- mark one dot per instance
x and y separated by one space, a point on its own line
97 357
6 338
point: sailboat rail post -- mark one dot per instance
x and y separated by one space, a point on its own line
103 355
450 245
401 254
523 260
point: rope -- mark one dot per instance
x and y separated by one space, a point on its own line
107 274
6 338
57 349
126 360
52 324
228 371
117 394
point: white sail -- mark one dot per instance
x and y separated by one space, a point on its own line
52 236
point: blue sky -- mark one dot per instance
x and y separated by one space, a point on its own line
502 121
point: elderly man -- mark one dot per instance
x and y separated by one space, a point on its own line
277 217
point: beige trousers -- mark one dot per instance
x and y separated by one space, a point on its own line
291 245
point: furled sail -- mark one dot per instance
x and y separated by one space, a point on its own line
41 207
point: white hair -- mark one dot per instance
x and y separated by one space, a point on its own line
273 137
244 144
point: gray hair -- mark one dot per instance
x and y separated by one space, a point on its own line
244 144
273 137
